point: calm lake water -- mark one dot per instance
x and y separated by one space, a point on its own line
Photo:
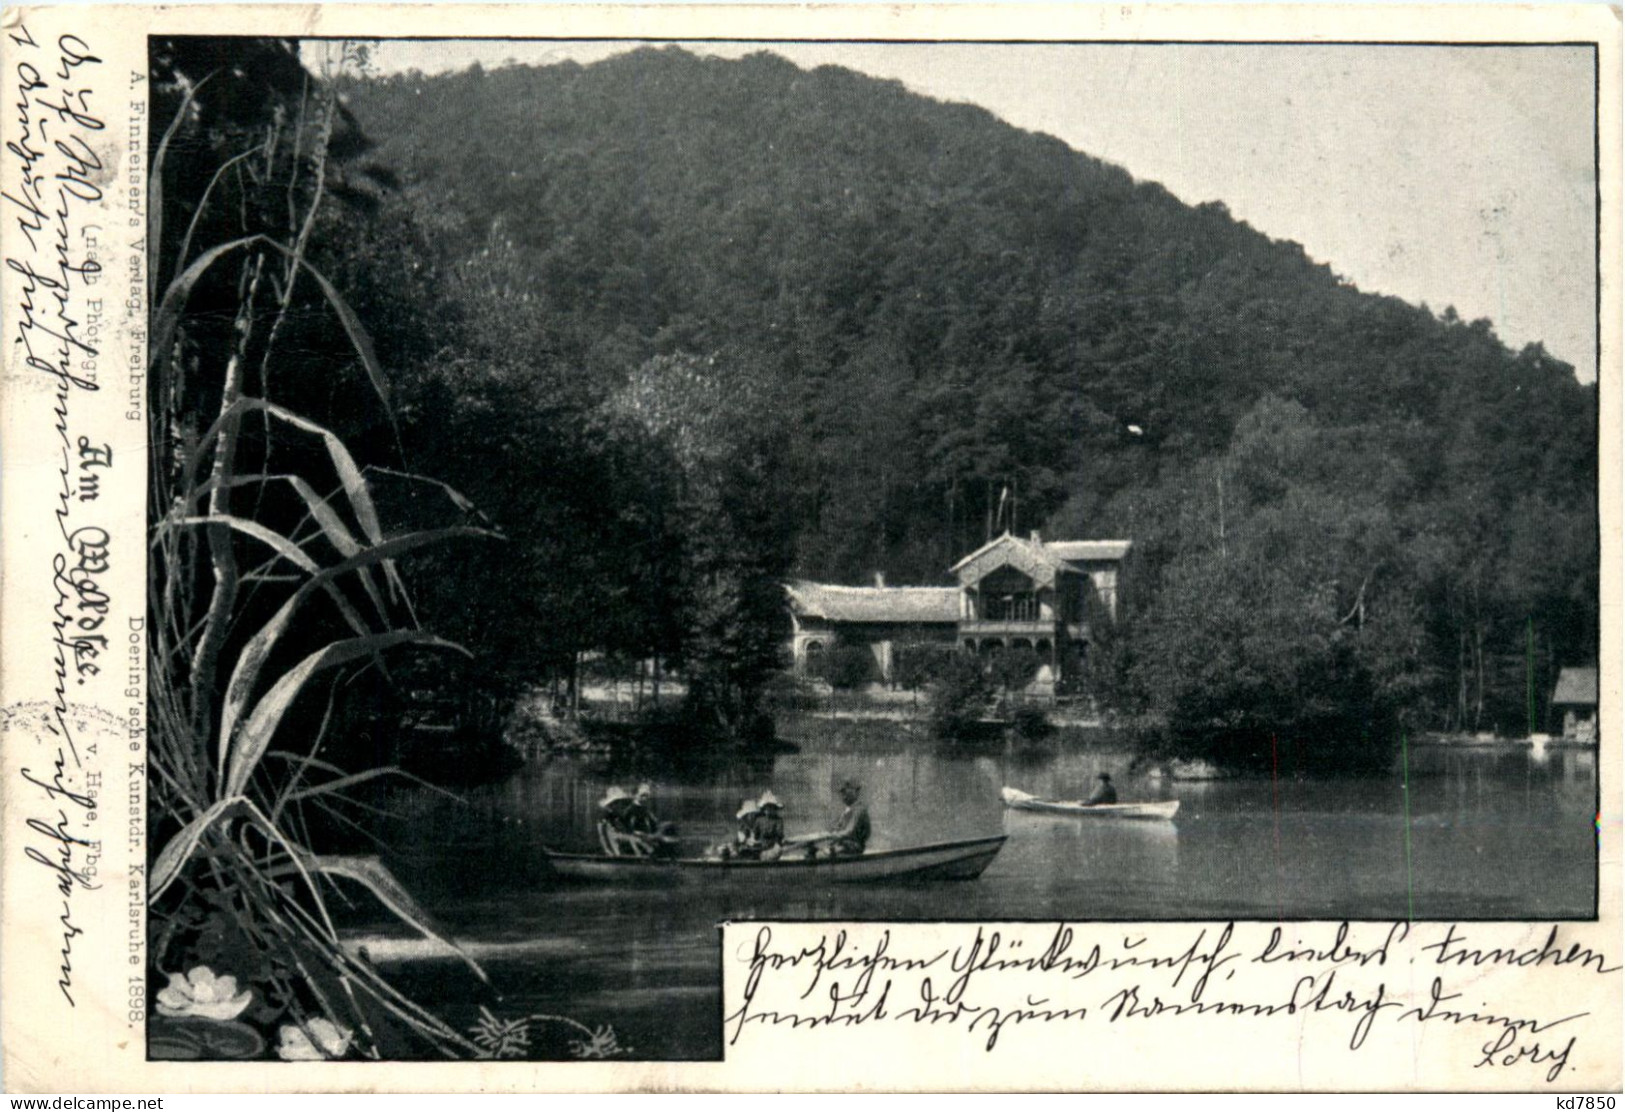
1492 833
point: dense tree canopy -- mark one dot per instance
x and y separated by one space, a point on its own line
686 324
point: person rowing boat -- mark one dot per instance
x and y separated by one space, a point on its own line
850 836
1022 801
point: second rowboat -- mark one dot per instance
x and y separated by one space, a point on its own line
1021 801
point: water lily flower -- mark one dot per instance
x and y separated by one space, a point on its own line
600 1043
317 1040
501 1038
202 995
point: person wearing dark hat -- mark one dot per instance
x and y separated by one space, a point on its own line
1104 791
851 834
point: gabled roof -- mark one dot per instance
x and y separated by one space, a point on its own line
988 547
1028 557
1037 556
873 604
1576 687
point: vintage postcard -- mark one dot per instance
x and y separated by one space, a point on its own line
781 548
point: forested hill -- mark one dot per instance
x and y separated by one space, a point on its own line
956 303
933 306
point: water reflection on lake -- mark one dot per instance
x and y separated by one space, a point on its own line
1492 833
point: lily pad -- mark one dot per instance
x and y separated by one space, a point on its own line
190 1039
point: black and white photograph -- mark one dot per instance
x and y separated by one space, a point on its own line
603 489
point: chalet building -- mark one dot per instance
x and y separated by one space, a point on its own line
1576 697
1013 593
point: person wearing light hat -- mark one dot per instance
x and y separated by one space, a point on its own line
615 823
769 824
613 809
745 843
744 839
659 837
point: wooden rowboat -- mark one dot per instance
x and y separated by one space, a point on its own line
1021 801
942 861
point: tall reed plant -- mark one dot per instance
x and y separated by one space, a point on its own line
273 581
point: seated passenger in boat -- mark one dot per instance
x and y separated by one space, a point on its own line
745 840
744 843
615 833
660 838
768 827
1104 791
